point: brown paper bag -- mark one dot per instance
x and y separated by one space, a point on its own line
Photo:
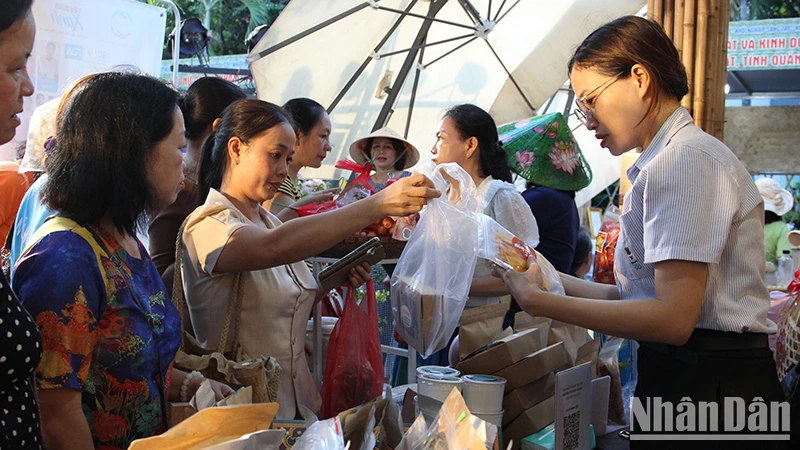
572 336
480 327
212 426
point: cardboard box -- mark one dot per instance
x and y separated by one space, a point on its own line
501 353
535 366
420 314
530 422
518 400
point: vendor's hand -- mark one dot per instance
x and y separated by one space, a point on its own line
360 275
526 287
406 196
317 197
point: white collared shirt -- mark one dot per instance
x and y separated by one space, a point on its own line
691 199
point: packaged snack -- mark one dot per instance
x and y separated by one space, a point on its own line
603 271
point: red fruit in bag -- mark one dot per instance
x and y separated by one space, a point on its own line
354 368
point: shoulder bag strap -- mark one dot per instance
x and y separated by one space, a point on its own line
234 303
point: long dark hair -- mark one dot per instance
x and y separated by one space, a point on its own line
305 112
245 119
472 121
13 10
204 101
106 133
617 46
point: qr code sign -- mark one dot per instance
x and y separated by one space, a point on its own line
572 432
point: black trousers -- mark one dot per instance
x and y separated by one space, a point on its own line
710 376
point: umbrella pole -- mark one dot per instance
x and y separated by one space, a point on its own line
388 105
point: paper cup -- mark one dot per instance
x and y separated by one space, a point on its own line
437 370
484 393
438 386
493 418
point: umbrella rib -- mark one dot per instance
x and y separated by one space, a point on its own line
420 16
414 93
451 51
489 11
364 65
470 10
312 30
510 77
499 10
426 45
508 11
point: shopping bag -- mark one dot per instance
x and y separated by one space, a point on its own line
787 345
431 282
606 246
354 367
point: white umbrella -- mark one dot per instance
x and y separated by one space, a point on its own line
402 63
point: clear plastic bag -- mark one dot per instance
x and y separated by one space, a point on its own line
508 251
322 435
431 282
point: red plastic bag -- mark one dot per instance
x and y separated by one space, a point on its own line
354 368
603 271
357 189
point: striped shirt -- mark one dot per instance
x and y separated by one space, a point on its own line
289 188
692 200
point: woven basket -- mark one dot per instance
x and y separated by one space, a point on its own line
787 345
392 247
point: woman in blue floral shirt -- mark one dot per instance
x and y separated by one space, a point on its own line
109 331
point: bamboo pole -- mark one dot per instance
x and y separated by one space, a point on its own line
688 50
658 12
669 17
701 54
724 21
677 27
710 72
651 8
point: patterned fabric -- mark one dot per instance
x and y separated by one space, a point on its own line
381 186
289 188
108 334
20 353
692 200
543 151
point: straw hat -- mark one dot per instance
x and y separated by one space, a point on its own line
358 150
776 198
543 151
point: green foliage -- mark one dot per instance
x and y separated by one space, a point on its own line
229 21
763 9
793 216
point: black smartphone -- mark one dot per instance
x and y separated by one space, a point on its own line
370 252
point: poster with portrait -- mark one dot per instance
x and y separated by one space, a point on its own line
79 37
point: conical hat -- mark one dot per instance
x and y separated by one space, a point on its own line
543 150
358 151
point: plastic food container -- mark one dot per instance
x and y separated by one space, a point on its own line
484 393
437 370
439 386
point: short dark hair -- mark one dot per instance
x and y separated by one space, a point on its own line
305 112
472 121
770 217
204 102
106 133
245 119
13 10
583 249
399 148
617 46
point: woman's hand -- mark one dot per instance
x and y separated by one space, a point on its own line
360 275
526 287
406 196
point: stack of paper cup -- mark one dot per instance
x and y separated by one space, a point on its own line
438 386
437 370
483 395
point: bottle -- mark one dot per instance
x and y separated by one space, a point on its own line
785 273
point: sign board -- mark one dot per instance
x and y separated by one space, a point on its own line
764 44
78 37
233 62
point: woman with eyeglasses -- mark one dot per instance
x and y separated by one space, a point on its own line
691 252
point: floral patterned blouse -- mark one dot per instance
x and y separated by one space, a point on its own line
109 335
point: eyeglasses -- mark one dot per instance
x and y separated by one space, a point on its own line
584 112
